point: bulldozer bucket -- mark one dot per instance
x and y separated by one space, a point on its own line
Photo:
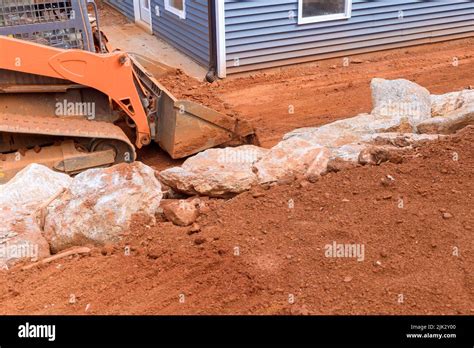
183 127
186 128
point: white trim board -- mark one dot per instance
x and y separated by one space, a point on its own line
220 38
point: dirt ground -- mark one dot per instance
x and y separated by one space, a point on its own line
263 252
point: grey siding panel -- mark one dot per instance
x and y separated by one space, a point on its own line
261 33
125 7
190 35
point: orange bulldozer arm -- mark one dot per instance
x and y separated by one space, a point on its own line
111 74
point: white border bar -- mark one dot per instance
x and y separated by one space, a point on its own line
221 42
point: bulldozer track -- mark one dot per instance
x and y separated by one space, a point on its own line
63 127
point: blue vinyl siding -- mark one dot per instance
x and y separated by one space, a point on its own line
261 33
125 7
190 35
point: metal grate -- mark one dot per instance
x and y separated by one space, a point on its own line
60 38
23 12
58 23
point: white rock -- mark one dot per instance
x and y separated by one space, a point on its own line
444 104
20 198
32 186
347 131
400 99
451 112
216 172
292 157
99 205
448 124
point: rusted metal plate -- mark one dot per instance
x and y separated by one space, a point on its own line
75 162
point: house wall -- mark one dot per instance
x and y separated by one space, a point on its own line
125 7
189 35
261 33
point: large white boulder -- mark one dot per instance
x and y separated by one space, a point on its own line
99 205
400 99
291 158
216 172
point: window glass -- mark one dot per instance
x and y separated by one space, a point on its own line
177 4
313 8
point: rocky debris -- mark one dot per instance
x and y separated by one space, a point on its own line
402 100
99 204
20 198
348 137
337 164
348 145
401 110
379 154
290 158
32 186
450 112
181 213
345 131
216 172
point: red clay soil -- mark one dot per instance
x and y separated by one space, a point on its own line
418 257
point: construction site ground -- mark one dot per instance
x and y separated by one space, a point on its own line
280 100
257 255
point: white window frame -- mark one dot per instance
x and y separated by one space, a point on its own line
172 9
315 19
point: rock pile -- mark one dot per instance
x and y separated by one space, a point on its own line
43 211
404 113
